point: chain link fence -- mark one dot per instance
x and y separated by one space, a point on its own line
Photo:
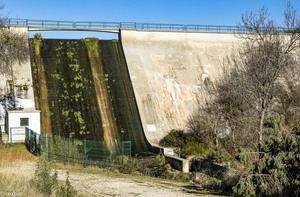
72 151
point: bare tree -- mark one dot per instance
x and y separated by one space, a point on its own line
266 57
266 62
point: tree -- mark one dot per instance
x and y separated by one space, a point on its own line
265 60
265 64
276 173
13 49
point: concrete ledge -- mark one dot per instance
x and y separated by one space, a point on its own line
178 163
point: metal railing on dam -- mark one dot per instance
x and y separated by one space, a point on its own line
116 26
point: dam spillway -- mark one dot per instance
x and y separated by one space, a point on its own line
83 90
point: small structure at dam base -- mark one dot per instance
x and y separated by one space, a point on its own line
18 121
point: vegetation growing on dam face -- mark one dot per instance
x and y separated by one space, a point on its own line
68 90
82 88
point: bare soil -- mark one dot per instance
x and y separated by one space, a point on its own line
105 185
16 161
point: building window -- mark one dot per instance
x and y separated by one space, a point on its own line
24 122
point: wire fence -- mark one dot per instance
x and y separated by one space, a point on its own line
72 151
116 26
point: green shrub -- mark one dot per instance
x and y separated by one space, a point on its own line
195 149
244 188
181 176
161 159
46 183
277 171
43 181
219 155
65 190
155 167
125 164
247 157
176 138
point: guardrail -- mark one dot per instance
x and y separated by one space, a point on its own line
116 26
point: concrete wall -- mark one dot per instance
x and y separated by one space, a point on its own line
169 71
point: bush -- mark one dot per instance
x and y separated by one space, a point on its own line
194 149
247 157
176 138
181 176
65 190
219 155
155 167
161 159
43 181
277 172
244 188
125 164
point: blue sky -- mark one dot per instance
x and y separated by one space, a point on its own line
207 12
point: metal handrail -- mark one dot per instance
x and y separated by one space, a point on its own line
17 22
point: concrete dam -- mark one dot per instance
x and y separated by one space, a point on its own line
137 88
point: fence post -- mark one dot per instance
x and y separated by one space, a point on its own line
122 148
65 157
47 148
85 152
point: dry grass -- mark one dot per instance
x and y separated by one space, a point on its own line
17 166
15 183
15 152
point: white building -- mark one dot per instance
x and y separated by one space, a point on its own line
17 121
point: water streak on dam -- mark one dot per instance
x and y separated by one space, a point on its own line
171 73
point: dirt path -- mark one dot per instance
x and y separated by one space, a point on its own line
106 186
111 186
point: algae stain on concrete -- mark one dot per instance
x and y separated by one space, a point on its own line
124 104
41 89
109 125
107 102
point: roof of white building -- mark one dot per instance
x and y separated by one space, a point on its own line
27 110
